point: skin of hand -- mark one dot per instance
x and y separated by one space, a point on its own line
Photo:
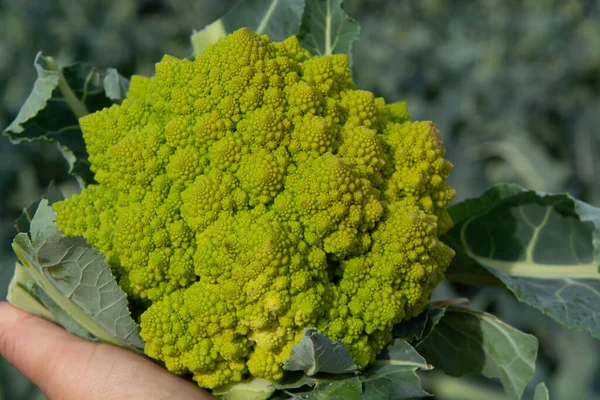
67 367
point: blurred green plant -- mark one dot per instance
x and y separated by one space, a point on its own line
513 85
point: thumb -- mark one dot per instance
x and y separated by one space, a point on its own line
67 367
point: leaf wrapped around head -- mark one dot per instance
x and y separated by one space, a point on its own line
64 279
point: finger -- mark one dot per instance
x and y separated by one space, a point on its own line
67 367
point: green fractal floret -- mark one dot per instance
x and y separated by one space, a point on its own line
254 192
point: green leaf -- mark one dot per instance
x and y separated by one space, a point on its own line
279 19
544 247
61 96
115 85
326 29
469 342
417 329
541 392
317 353
393 375
347 389
74 282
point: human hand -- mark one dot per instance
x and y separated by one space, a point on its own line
67 367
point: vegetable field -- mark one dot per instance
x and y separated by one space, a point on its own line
386 199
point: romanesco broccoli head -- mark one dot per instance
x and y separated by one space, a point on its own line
254 192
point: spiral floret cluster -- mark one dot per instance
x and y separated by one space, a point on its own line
254 192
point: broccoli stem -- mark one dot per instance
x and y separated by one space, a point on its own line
77 106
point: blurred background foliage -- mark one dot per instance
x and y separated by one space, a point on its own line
514 86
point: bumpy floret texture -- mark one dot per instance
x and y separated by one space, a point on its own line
254 192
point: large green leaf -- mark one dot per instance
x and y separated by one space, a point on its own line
279 19
544 247
60 96
326 29
73 282
468 342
